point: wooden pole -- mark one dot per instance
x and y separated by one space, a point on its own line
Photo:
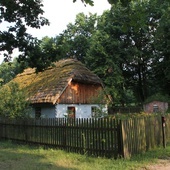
163 132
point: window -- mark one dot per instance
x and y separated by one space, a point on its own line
71 112
155 108
94 111
37 112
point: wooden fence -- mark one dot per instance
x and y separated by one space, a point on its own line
167 129
141 134
98 137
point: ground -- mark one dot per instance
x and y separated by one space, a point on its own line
163 164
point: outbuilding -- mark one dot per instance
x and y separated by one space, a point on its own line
156 107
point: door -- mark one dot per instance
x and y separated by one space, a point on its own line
71 112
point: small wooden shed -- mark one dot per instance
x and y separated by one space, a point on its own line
156 106
66 89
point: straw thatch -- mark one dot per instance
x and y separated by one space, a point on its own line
47 86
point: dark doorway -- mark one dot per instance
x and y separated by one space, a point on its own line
71 112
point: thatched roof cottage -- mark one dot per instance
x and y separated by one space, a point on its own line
66 89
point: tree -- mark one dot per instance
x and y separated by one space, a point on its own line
8 70
19 15
122 50
13 102
139 27
162 44
104 56
74 41
44 53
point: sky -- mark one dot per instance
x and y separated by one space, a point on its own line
60 13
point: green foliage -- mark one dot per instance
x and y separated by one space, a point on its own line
122 50
8 70
19 15
74 41
13 102
139 50
104 55
44 53
158 97
162 44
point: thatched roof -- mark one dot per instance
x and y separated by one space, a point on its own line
47 86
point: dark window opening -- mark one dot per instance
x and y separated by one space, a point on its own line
94 111
37 112
155 108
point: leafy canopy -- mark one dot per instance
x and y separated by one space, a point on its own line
18 15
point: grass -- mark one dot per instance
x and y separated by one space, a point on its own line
24 157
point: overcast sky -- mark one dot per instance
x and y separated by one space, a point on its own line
60 13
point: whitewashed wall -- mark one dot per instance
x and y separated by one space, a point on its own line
60 110
82 110
46 112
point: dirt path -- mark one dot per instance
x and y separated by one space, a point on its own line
163 164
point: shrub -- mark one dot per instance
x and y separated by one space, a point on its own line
14 102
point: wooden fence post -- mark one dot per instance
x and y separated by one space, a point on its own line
163 132
124 139
120 139
64 124
0 129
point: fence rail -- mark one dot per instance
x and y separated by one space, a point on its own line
100 137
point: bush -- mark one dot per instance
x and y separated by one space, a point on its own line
14 102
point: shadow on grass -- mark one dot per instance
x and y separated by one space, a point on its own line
12 158
24 157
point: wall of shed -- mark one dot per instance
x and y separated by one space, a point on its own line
162 106
80 93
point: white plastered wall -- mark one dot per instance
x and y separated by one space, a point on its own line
82 110
60 110
46 112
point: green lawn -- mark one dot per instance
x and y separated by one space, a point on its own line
23 157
